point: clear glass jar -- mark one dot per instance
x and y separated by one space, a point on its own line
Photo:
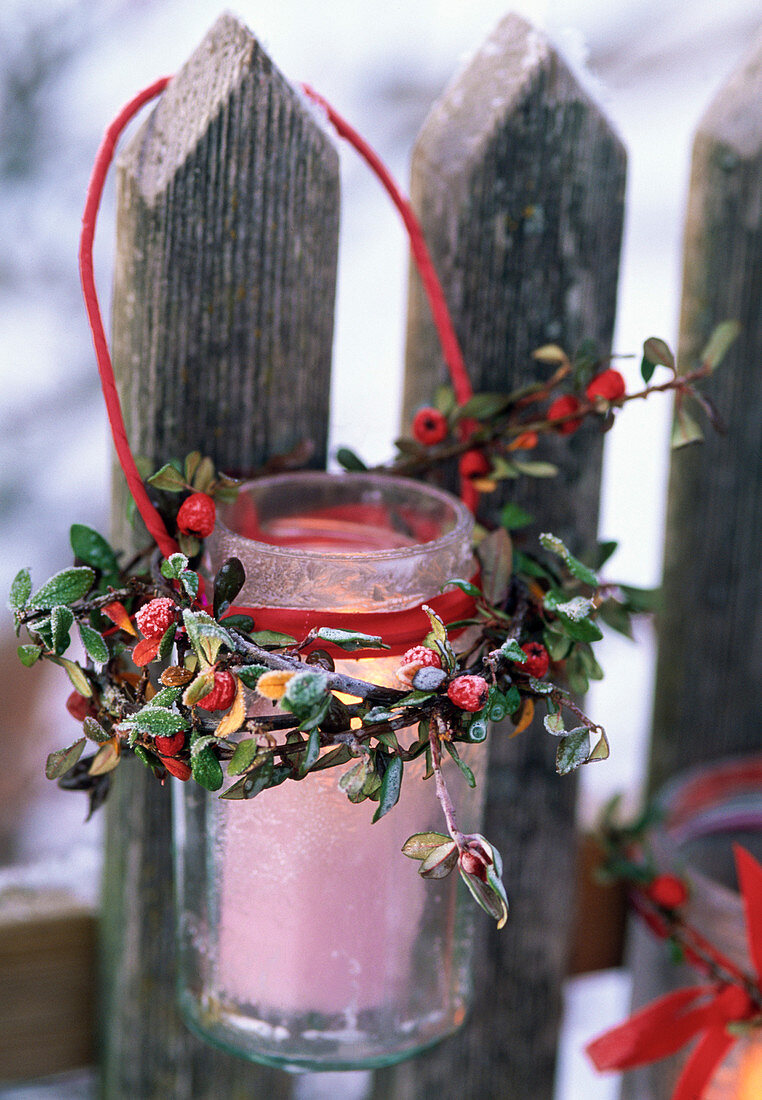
706 811
307 940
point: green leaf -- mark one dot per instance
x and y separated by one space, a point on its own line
391 785
339 755
167 639
205 635
92 549
230 579
542 687
207 770
513 517
95 731
190 582
271 639
640 600
441 861
191 464
243 757
28 654
349 640
348 460
477 727
166 697
512 651
63 760
685 430
254 782
249 674
497 706
725 334
65 587
310 757
484 406
361 781
244 623
490 895
413 699
444 400
536 469
420 845
168 479
203 478
574 565
554 724
376 715
655 353
21 589
616 616
174 566
464 586
573 750
582 631
94 644
157 721
467 773
305 693
76 675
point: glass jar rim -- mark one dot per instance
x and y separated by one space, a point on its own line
461 529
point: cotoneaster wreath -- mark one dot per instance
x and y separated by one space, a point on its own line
165 672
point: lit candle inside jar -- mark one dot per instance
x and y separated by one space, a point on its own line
324 944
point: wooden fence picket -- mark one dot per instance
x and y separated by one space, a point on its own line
519 183
223 320
709 670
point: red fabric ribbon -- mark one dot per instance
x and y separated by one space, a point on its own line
665 1026
398 629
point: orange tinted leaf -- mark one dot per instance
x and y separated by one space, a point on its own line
526 714
145 651
118 615
233 720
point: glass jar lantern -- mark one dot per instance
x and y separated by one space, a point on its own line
705 812
307 940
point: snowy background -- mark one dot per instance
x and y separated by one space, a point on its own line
66 66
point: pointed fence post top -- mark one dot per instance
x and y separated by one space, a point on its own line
503 72
227 66
734 117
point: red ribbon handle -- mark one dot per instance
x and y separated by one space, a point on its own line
420 252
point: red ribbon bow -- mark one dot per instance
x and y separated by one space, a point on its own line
701 1011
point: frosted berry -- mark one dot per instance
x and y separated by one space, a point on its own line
429 426
609 384
564 406
414 659
176 767
537 662
170 746
667 891
156 617
474 464
468 692
222 693
196 516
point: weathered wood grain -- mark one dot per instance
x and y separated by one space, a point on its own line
709 677
709 668
519 182
223 318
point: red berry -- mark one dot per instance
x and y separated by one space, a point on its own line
609 384
667 891
415 658
537 662
79 707
221 694
429 426
474 464
156 617
468 692
170 746
196 516
176 767
563 406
